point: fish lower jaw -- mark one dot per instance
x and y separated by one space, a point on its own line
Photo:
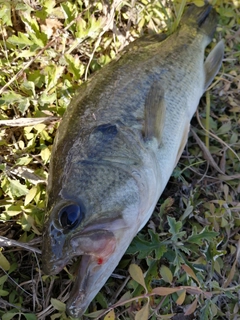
72 307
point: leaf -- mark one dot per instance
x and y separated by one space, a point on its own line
58 305
190 309
225 128
9 315
110 315
30 316
17 189
23 161
3 279
165 206
162 291
175 228
190 272
3 293
95 314
143 313
5 13
146 247
74 66
23 105
45 154
127 295
204 235
137 275
181 298
166 274
10 97
199 3
21 40
12 210
4 263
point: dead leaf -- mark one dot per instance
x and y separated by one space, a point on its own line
191 308
162 291
190 272
110 315
143 313
181 298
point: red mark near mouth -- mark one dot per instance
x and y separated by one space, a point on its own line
100 261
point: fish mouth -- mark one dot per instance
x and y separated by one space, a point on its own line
96 248
93 272
83 291
100 250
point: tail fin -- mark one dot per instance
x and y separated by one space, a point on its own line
203 18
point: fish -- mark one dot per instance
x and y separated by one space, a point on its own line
117 146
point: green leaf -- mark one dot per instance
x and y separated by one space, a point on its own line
30 196
45 154
4 263
39 39
175 228
3 279
17 189
205 234
23 161
58 305
9 315
3 293
30 316
146 247
21 40
23 105
74 66
166 274
225 128
5 13
10 97
137 275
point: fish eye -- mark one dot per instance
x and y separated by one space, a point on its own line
70 216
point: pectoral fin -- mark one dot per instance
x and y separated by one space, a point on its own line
213 63
155 113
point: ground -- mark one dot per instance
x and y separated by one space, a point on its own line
186 260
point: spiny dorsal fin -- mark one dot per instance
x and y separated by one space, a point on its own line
155 113
213 63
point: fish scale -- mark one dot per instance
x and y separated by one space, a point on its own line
116 147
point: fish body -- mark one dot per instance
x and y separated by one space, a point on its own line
117 146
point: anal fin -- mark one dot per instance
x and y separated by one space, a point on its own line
183 142
155 113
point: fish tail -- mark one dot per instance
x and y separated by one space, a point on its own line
203 18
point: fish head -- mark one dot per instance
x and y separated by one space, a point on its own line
94 215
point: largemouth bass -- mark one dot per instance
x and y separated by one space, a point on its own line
117 146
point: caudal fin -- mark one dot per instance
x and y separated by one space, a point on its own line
204 18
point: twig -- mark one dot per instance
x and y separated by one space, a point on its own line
24 122
5 242
206 153
214 136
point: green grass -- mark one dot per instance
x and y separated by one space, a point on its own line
191 244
